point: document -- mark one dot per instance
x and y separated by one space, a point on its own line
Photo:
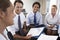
35 31
47 37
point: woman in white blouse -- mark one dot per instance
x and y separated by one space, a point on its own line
52 20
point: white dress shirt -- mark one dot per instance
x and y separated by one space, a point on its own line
30 18
50 20
2 37
13 28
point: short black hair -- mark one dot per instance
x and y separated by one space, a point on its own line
4 4
36 3
19 1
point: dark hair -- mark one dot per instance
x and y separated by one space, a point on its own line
19 1
36 3
4 4
54 6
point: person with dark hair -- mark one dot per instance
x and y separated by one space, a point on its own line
18 1
17 29
34 18
6 16
52 21
37 4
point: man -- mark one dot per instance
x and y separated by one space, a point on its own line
17 28
6 16
52 21
34 18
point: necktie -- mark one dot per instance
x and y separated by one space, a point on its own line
19 22
19 25
10 36
35 19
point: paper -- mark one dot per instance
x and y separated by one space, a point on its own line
35 31
47 37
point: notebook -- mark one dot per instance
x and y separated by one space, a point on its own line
47 37
35 31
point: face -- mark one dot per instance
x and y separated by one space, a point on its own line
35 8
9 15
18 7
53 10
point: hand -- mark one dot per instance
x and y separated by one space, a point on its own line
51 26
28 37
25 30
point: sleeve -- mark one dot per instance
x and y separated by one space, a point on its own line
40 21
45 21
27 20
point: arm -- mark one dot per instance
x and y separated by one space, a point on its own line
22 37
40 19
27 20
45 22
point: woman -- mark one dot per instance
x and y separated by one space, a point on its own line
6 16
52 21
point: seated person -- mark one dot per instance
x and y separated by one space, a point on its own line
52 21
17 30
34 18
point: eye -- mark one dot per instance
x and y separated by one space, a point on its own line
17 7
20 7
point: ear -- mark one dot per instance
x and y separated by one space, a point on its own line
2 14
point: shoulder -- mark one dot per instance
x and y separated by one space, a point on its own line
47 15
39 14
29 14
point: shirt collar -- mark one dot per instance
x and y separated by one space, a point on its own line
17 14
55 14
33 12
